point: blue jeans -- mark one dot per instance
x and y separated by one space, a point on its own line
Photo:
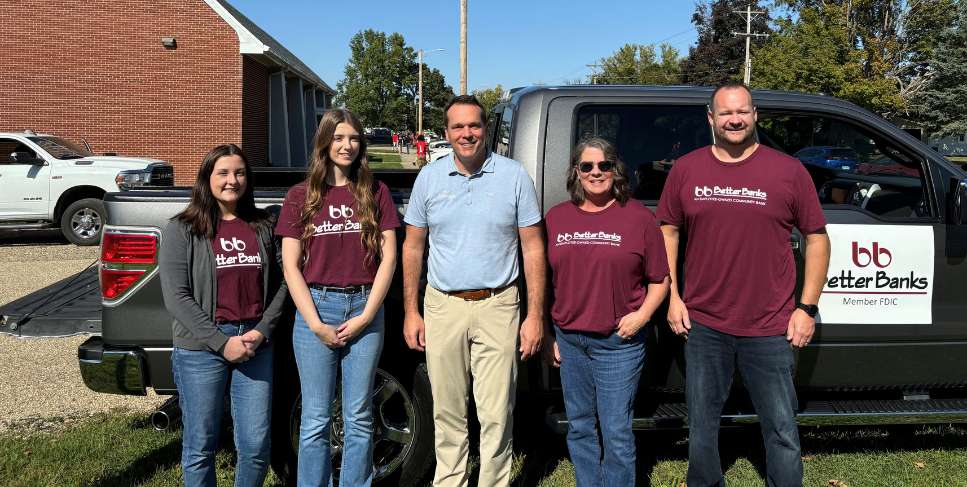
319 368
202 377
600 378
766 365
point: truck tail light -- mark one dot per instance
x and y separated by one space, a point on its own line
129 248
126 258
114 282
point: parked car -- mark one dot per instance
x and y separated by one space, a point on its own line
438 149
379 135
838 158
50 182
890 345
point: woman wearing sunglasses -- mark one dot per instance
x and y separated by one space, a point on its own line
609 274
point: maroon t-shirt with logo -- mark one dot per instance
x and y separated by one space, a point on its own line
602 263
336 254
238 268
740 274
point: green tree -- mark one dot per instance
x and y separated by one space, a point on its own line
945 94
813 54
638 64
490 97
380 83
892 39
719 54
374 76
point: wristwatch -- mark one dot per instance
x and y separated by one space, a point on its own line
811 309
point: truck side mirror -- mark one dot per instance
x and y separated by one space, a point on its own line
26 158
960 202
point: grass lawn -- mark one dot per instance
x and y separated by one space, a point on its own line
122 450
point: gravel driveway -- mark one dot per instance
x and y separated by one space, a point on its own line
40 383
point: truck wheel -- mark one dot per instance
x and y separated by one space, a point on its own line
402 432
83 221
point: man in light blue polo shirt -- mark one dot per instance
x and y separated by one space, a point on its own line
475 207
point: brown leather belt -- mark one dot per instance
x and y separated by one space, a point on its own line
475 294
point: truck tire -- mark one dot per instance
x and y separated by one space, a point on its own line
403 430
83 221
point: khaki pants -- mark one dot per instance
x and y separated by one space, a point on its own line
478 340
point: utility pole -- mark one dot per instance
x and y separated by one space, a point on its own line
463 47
748 13
419 94
593 67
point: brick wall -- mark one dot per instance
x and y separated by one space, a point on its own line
255 112
96 69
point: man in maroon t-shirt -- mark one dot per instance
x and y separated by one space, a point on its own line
738 202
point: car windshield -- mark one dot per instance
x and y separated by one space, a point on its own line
60 148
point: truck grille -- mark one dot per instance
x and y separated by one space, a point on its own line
162 175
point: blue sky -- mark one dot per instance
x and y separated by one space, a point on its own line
513 43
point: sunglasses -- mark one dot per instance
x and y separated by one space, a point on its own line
603 166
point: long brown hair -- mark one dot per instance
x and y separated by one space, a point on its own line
361 184
619 181
202 213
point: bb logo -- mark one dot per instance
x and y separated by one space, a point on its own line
563 237
342 212
233 244
863 257
703 191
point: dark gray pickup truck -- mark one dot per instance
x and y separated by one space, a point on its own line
891 345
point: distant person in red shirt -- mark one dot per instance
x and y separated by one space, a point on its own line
609 274
421 151
738 202
339 254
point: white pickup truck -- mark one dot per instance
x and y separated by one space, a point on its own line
46 182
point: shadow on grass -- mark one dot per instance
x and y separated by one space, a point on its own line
165 458
147 466
543 451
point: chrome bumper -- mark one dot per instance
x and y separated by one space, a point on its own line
111 371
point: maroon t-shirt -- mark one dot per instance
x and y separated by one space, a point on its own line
238 268
336 253
740 274
602 263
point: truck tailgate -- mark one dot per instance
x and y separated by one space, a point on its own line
68 307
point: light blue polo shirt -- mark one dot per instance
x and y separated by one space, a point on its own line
473 221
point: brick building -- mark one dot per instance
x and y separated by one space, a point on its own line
167 79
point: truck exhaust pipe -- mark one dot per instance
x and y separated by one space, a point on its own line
167 415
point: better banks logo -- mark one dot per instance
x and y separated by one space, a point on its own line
342 212
232 245
863 257
728 194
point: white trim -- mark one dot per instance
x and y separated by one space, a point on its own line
248 43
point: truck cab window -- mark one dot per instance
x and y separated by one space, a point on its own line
9 146
502 135
850 165
649 139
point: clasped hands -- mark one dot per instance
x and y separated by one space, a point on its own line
242 347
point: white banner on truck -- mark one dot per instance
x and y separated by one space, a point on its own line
879 274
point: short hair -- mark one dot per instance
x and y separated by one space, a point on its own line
464 100
619 181
728 85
